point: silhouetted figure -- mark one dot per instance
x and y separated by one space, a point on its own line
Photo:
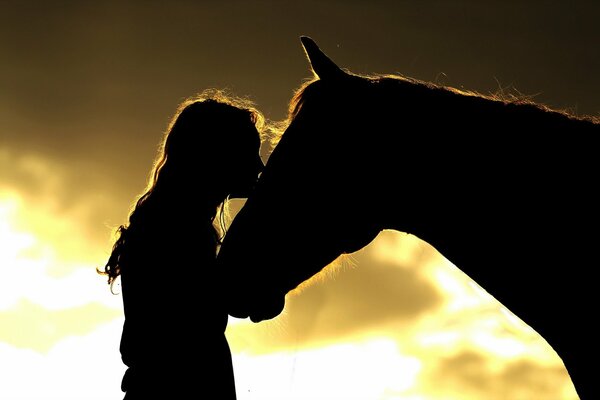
173 339
505 189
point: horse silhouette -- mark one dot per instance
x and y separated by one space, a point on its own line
503 188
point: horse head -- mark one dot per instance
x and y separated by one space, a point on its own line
315 199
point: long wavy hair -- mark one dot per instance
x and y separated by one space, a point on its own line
189 129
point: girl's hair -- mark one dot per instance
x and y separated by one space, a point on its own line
209 110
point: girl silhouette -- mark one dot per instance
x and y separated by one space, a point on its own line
173 339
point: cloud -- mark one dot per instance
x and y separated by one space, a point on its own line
62 201
472 375
56 221
77 368
402 292
345 349
36 270
31 326
89 367
28 280
371 369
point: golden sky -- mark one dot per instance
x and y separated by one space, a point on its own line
86 90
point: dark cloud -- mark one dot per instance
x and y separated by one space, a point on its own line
351 301
68 190
361 297
92 85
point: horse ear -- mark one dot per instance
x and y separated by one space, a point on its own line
321 65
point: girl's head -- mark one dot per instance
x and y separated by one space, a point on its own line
212 145
210 153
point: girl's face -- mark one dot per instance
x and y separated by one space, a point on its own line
245 165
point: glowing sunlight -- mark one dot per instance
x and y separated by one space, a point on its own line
57 326
90 88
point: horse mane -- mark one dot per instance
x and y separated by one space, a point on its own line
310 88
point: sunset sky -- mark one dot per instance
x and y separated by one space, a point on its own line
86 91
